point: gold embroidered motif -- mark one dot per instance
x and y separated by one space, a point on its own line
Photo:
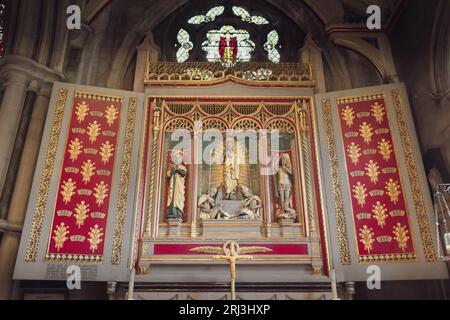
366 238
393 190
68 190
93 131
101 192
354 152
81 111
366 132
359 192
95 238
379 213
378 112
401 236
106 152
348 115
82 211
87 171
372 170
385 149
75 149
60 236
111 115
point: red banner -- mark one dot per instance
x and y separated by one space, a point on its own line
379 211
83 197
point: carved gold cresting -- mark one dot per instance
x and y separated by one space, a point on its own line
411 166
46 177
119 224
336 182
250 73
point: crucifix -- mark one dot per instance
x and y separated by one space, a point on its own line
231 252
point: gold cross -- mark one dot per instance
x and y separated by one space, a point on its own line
231 252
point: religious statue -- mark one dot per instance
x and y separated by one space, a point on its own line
209 209
251 205
285 189
177 174
230 179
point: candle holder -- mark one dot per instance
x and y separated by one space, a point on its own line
442 213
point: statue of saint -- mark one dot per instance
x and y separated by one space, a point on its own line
230 180
251 205
177 174
285 189
209 209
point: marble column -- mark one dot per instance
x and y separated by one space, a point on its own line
10 114
16 215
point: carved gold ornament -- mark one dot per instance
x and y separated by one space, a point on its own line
348 115
87 171
81 111
378 112
366 238
336 183
373 171
360 193
95 238
354 152
366 132
106 151
379 213
412 168
46 177
75 149
81 213
60 235
100 193
385 149
401 236
93 131
121 211
393 190
68 190
111 115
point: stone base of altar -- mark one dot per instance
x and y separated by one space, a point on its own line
231 229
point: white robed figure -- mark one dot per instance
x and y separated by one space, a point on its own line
176 196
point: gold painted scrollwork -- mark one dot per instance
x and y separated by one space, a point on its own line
46 177
411 166
336 182
119 224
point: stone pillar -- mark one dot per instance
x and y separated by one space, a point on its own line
16 154
311 53
10 242
10 113
147 50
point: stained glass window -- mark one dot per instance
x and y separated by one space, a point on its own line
208 17
247 17
271 46
186 45
228 46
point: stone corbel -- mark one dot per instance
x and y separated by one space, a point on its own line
79 38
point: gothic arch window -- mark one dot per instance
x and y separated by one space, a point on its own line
228 32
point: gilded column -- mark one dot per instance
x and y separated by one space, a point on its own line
16 215
10 113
